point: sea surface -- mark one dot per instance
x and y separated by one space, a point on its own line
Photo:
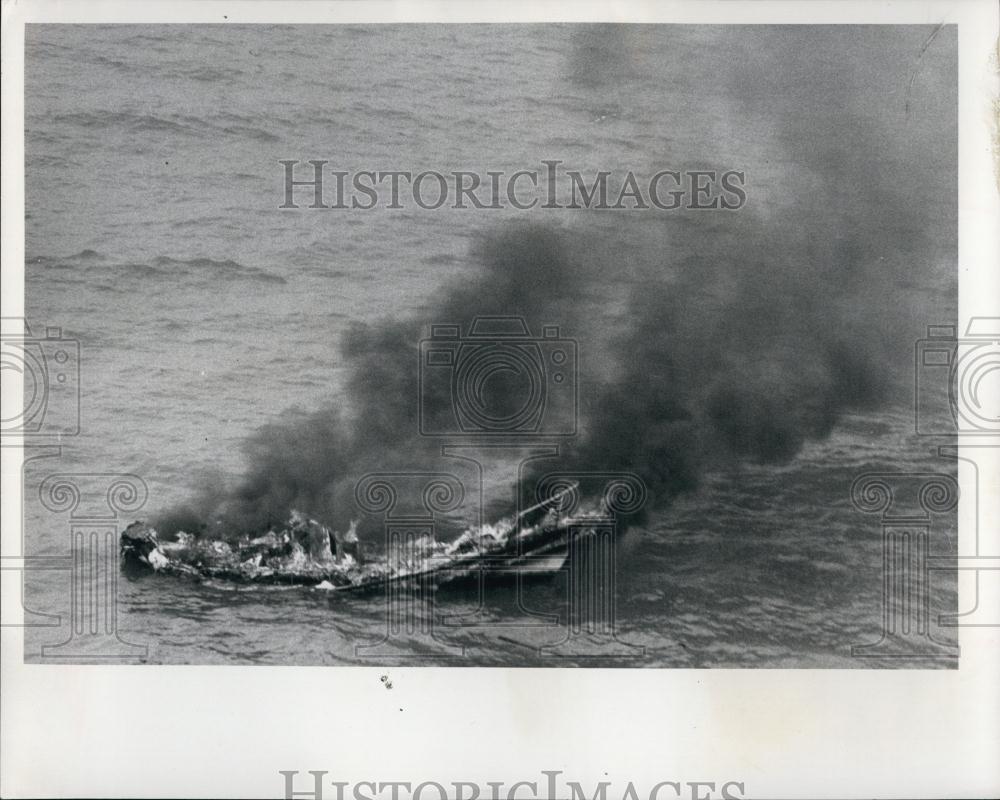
154 238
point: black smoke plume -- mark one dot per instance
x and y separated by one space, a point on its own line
705 338
311 462
720 357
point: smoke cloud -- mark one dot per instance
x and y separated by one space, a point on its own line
741 357
703 338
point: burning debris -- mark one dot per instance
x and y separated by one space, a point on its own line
307 553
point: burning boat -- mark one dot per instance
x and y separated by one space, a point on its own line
536 541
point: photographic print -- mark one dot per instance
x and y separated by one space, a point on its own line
460 401
493 345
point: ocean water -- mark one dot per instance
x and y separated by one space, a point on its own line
203 311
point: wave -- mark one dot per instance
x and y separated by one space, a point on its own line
93 268
227 268
176 124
